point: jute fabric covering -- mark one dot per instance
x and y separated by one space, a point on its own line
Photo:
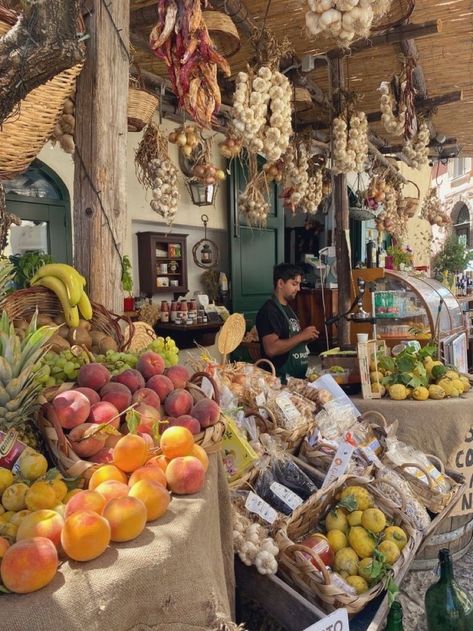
177 576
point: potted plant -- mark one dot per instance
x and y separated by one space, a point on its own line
401 257
127 284
26 265
452 259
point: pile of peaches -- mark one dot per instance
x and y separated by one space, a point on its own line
93 414
49 522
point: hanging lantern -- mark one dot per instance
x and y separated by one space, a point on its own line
202 194
205 252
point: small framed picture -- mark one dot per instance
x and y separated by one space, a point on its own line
162 281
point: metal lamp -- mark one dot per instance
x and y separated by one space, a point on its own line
202 194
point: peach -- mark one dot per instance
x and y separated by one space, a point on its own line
127 518
85 500
71 407
93 376
179 375
104 456
120 399
85 535
71 494
155 474
130 452
161 384
41 523
188 421
113 440
29 565
130 378
106 412
185 475
199 452
107 472
150 364
148 439
154 496
176 441
112 386
207 412
4 545
86 447
149 418
179 402
147 397
111 489
90 394
158 461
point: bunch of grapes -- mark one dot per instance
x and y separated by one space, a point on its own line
117 362
166 347
53 368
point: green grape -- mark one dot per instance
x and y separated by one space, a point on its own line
50 382
61 362
50 356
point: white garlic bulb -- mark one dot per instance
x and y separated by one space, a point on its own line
416 150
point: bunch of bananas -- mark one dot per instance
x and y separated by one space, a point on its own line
68 285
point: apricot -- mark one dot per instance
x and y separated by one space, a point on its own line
154 496
93 376
146 396
29 565
71 494
130 378
207 412
85 500
107 472
112 489
127 518
85 535
185 475
149 418
86 447
158 461
92 395
71 407
60 488
106 412
148 473
33 465
150 364
176 441
130 452
6 479
40 495
160 384
179 375
4 545
188 421
41 523
179 402
199 452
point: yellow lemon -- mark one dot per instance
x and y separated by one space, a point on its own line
358 583
398 392
373 520
362 542
420 394
365 568
390 550
13 497
33 465
337 539
41 495
337 520
346 560
436 392
60 488
378 387
5 518
6 479
396 535
354 518
361 497
466 383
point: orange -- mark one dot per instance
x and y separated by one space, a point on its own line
176 441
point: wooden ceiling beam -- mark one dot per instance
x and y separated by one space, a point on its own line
427 104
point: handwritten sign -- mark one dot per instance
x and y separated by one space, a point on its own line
336 621
463 463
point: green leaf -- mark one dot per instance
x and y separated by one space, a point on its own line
405 363
414 382
349 503
393 591
132 419
429 350
387 363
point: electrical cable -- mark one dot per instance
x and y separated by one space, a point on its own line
117 30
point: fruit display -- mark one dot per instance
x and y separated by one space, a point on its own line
415 374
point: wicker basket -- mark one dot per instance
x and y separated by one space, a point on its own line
211 438
302 100
223 32
409 205
141 106
319 586
23 304
23 135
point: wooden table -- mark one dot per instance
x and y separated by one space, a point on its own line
188 335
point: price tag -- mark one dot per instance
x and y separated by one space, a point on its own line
286 495
207 388
340 463
287 407
256 505
336 621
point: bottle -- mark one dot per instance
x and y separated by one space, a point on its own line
164 311
370 251
447 606
380 256
173 314
183 312
394 621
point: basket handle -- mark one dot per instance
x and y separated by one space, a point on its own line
297 547
260 420
376 414
398 491
263 360
430 479
50 414
437 462
418 189
270 421
198 376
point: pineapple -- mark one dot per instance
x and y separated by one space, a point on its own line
18 390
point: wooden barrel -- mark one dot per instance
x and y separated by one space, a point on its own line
454 533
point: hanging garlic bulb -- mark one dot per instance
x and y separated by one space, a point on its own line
296 177
392 124
163 176
315 191
433 212
416 150
350 143
63 131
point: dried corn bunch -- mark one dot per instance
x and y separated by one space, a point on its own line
63 132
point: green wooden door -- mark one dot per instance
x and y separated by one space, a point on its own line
253 252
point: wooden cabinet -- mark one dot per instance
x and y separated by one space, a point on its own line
310 311
162 260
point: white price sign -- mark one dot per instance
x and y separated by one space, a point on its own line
336 621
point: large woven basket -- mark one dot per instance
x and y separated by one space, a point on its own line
409 205
141 107
211 438
223 32
23 134
319 586
23 304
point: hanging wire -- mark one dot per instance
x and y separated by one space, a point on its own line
117 30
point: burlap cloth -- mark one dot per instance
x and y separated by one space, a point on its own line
177 576
436 427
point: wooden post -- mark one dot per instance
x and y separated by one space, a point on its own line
100 212
340 200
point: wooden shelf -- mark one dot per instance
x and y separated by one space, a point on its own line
165 258
148 243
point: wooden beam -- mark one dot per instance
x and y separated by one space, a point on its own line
144 16
426 104
434 144
380 158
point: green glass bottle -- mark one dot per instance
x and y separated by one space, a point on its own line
448 607
394 621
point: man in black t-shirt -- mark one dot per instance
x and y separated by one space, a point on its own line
279 331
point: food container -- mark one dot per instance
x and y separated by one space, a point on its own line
341 375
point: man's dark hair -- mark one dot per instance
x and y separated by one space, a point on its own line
285 272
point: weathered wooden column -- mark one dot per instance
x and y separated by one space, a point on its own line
340 200
100 205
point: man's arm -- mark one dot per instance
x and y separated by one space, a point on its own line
274 346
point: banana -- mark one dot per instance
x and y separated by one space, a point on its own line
71 314
70 278
85 307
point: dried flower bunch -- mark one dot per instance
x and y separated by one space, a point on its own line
350 142
416 150
296 175
155 170
433 212
344 20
